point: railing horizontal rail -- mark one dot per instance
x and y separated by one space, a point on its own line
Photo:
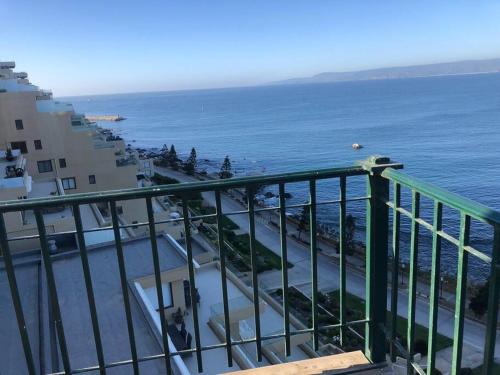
469 207
320 203
441 233
191 187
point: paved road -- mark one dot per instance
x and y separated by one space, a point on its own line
328 273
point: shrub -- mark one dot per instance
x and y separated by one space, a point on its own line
479 302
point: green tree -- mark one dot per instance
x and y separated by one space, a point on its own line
225 169
190 165
479 302
303 221
172 158
350 230
162 159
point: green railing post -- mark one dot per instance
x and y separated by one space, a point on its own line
377 247
493 298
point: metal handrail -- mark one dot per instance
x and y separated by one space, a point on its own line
153 191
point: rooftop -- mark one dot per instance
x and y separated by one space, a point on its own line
77 323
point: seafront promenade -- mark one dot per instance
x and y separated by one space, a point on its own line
328 276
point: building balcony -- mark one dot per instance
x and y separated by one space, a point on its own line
52 106
7 65
145 305
14 167
126 161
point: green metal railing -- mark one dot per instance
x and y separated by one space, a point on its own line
379 174
467 210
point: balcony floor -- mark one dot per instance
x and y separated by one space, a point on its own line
208 284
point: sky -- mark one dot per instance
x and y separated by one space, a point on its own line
77 47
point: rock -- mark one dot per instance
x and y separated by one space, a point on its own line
357 146
269 194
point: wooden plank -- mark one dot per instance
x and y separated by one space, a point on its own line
319 365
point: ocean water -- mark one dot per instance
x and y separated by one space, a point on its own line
445 130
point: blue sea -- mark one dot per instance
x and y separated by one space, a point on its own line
445 130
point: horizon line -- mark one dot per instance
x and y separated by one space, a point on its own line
280 82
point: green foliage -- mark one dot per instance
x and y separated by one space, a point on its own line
225 170
479 302
266 259
355 310
190 164
172 158
163 180
194 198
479 370
350 230
168 158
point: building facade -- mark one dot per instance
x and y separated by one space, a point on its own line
62 153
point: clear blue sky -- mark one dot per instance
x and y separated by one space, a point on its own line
107 46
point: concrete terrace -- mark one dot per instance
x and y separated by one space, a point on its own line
208 281
111 313
75 312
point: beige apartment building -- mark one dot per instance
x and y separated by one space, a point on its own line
60 152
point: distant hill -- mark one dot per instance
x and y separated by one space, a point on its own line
450 68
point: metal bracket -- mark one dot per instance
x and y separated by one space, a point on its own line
376 164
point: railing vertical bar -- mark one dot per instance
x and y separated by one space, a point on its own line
314 261
159 288
412 279
463 261
123 281
284 268
396 225
377 249
192 285
222 259
16 299
253 259
435 280
51 284
88 286
342 247
493 300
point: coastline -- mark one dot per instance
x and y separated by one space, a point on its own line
210 168
269 220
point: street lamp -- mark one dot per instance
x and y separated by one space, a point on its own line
441 287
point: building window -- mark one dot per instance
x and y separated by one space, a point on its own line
92 179
38 144
62 163
19 124
19 146
44 166
68 183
